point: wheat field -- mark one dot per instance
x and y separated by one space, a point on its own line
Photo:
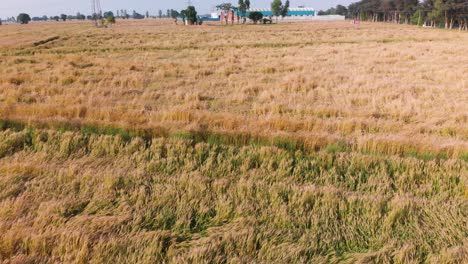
149 142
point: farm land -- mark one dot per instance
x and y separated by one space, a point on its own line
150 142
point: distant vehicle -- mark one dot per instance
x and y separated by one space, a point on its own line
267 20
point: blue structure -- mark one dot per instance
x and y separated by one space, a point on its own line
300 11
206 18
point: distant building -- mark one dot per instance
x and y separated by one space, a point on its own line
293 12
298 13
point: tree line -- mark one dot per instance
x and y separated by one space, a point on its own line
24 18
338 10
434 13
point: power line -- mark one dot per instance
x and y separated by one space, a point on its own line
96 12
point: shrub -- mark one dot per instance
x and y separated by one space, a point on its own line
255 16
110 20
23 18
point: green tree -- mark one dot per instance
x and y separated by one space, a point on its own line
285 9
417 17
63 17
183 14
341 10
247 6
255 16
175 14
109 17
23 18
108 14
242 9
191 15
80 16
462 14
409 8
276 7
437 13
136 15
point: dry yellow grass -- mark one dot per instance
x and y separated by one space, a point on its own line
379 87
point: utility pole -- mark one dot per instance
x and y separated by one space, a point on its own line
96 12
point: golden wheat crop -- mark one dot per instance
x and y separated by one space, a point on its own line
379 88
149 142
75 198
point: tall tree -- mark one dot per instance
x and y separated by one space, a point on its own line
285 9
341 10
183 14
108 14
175 14
444 13
276 7
189 14
452 11
409 8
462 14
243 10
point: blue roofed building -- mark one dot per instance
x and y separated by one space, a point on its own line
297 13
293 12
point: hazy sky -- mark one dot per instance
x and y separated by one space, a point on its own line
53 7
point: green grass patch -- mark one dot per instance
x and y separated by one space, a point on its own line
13 125
182 135
337 147
288 144
234 139
427 155
464 156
